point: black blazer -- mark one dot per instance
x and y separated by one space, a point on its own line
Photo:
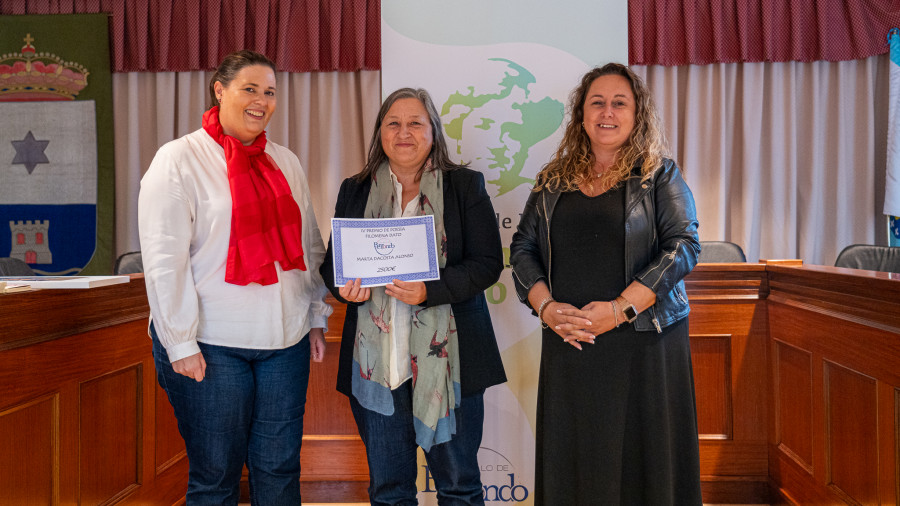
474 263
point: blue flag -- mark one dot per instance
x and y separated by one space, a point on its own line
892 178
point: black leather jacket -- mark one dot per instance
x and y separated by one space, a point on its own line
661 242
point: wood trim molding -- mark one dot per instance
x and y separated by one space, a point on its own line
24 317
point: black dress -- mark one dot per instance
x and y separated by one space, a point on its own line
616 422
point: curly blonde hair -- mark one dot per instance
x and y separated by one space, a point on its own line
573 161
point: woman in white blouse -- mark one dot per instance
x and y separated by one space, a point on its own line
231 254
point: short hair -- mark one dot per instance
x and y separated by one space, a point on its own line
440 157
573 160
231 65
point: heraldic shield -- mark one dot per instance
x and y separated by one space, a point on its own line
48 195
48 163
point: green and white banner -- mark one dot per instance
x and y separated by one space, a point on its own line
500 72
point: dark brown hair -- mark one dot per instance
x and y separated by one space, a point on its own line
231 65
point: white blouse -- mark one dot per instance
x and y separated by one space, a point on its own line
184 219
401 312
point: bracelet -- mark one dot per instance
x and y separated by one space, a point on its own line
615 311
544 303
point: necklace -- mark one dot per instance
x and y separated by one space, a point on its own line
593 191
595 176
602 166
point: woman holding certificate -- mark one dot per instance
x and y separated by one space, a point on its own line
231 256
606 238
416 356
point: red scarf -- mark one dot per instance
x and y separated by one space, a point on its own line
265 219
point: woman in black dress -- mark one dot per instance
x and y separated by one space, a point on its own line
605 240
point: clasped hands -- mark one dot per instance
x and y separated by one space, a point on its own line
409 292
578 326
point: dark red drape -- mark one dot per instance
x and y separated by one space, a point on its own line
176 35
679 32
345 35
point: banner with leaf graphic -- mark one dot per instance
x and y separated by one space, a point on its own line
500 72
56 143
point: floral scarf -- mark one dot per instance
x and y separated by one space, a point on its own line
433 346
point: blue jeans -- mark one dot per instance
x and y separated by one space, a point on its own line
391 452
248 409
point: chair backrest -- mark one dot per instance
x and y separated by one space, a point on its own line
870 258
129 263
720 252
14 267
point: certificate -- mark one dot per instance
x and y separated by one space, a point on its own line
379 251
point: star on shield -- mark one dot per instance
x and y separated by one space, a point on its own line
30 152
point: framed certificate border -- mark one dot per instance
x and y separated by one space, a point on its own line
339 224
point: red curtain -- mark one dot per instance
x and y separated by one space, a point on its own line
679 32
345 35
176 35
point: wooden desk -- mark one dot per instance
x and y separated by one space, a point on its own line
797 373
82 419
728 329
834 372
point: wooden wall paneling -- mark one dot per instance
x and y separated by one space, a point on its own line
729 299
793 333
110 435
327 411
711 359
90 350
29 452
792 485
890 427
32 317
797 474
164 464
793 400
851 430
868 298
728 350
849 323
333 458
736 460
332 449
68 438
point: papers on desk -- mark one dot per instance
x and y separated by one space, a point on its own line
5 288
20 283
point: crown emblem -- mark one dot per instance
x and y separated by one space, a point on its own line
30 75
